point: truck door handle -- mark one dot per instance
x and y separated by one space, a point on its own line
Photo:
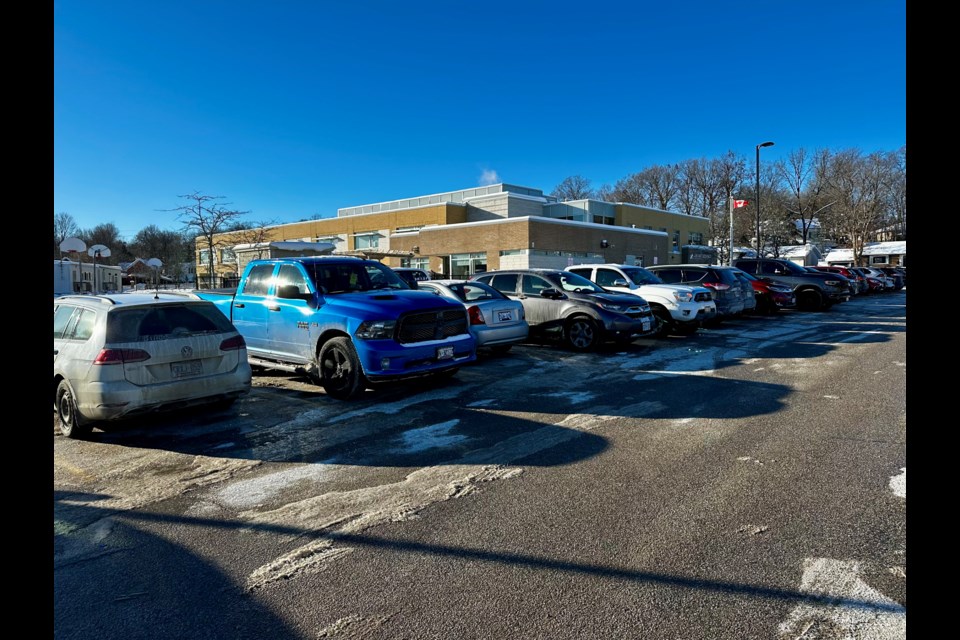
238 305
274 307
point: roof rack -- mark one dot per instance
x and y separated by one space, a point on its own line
98 297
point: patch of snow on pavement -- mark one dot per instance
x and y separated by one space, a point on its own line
256 491
435 436
898 483
446 393
575 397
843 606
482 403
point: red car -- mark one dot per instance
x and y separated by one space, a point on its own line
771 296
859 281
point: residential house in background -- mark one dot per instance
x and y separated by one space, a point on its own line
875 254
71 276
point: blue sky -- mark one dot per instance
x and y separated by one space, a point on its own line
291 109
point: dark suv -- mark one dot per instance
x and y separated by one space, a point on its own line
570 306
726 288
814 290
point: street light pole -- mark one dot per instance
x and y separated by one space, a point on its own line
762 144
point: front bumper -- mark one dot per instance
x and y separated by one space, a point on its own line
388 359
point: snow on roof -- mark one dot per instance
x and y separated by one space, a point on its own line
839 255
885 248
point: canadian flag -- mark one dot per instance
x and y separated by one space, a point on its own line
739 203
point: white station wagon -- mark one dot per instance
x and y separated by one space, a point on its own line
116 356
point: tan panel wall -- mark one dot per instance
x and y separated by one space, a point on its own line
642 218
491 239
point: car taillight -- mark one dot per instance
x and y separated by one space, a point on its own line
120 356
718 286
232 344
475 316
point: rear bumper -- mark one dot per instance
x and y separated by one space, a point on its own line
492 335
102 401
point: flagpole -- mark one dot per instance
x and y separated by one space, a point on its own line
730 256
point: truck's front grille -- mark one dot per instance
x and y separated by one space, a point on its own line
432 325
703 296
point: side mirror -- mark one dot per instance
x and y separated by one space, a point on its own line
550 293
620 282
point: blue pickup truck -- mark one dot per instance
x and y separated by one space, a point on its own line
345 321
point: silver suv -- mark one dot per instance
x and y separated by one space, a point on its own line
580 312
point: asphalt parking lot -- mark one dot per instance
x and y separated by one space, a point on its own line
742 482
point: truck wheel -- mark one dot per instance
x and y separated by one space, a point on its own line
68 419
664 322
340 373
581 334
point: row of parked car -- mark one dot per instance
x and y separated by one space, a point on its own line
350 323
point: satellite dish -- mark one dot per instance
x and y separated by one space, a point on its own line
155 263
72 245
99 251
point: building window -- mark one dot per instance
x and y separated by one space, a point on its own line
228 256
467 264
204 256
416 263
330 239
696 238
366 241
878 259
676 240
603 220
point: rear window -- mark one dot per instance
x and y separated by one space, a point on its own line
167 321
475 292
723 275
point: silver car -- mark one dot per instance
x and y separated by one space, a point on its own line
121 355
496 321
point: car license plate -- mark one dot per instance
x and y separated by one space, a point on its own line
646 325
186 369
504 316
444 353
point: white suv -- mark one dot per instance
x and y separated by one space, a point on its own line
121 355
680 308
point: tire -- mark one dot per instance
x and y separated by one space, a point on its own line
664 323
68 418
581 333
340 373
810 299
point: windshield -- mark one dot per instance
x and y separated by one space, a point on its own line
639 275
349 277
573 282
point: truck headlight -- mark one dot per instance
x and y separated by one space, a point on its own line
376 329
683 296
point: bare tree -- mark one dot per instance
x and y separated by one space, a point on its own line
605 193
64 226
658 185
804 177
109 236
573 188
172 248
858 183
255 233
205 217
